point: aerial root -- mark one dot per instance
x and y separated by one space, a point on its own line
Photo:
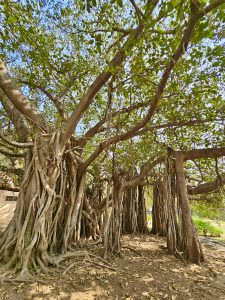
24 276
87 258
179 256
132 249
42 264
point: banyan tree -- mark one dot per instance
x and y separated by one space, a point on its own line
91 84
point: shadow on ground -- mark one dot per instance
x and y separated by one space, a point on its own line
145 271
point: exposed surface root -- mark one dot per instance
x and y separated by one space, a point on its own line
132 249
86 257
92 259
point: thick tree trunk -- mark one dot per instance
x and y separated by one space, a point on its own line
172 229
48 212
142 216
159 210
130 210
113 220
190 244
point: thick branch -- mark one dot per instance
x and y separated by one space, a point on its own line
99 83
6 153
210 7
145 170
159 91
204 153
54 100
138 11
16 117
11 189
208 187
15 144
182 48
18 99
116 138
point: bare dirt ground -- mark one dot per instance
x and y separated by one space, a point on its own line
146 273
149 273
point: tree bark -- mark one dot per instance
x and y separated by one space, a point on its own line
141 216
114 228
190 243
159 210
47 216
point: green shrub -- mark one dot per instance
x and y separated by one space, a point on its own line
206 228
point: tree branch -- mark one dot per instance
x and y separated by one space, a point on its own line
54 100
100 81
145 170
204 153
173 124
16 117
11 189
18 99
138 11
97 128
7 153
182 48
208 187
15 144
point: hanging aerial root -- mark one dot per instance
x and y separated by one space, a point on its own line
47 216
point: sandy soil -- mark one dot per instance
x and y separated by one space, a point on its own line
146 273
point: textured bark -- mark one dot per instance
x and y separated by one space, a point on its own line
113 233
92 215
142 216
130 211
190 244
18 99
106 223
204 153
16 117
159 210
134 211
47 216
172 232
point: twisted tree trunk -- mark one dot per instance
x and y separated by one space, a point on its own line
48 210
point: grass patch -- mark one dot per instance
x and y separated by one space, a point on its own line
206 228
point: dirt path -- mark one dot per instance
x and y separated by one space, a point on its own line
148 273
6 213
